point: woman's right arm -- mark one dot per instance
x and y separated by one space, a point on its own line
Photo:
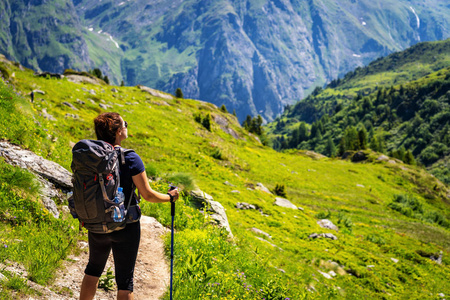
141 182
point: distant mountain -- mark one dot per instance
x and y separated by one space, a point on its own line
253 56
398 105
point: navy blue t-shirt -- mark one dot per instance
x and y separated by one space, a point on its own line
133 166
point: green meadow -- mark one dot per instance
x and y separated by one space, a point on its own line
392 217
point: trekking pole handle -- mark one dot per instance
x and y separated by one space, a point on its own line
172 203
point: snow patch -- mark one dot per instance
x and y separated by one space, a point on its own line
121 3
91 29
100 31
117 44
364 23
356 55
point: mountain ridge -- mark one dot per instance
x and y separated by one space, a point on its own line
253 56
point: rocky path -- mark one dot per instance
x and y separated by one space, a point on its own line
151 274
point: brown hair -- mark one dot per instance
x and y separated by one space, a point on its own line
106 126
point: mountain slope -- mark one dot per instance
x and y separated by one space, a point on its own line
253 56
401 99
392 217
43 35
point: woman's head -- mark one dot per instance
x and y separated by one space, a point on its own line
110 127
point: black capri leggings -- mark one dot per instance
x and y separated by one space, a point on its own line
124 244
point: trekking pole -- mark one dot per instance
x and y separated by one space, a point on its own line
172 213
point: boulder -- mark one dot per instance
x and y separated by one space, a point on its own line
284 203
223 123
244 205
325 235
383 158
218 214
359 156
155 92
262 188
52 176
325 223
47 116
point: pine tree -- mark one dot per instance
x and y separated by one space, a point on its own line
409 158
342 147
206 122
234 113
179 93
362 137
122 83
374 144
302 132
330 148
223 108
106 79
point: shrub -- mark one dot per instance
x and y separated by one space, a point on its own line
182 180
280 190
179 93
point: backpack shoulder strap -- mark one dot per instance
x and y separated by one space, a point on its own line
133 187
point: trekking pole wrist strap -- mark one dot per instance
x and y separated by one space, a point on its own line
171 197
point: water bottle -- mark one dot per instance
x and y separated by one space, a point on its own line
119 209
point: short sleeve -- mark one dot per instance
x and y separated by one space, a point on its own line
134 162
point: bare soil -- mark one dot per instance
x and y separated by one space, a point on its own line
151 276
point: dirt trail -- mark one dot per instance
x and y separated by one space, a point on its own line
151 276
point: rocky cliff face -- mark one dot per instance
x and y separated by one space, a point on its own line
253 56
43 35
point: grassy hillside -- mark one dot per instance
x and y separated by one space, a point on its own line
391 217
401 99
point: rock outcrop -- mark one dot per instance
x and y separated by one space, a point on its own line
55 179
218 215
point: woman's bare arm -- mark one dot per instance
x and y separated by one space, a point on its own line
147 193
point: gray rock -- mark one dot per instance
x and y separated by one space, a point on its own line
394 260
261 187
70 105
227 183
326 275
73 116
114 90
235 191
92 92
329 236
438 258
284 203
224 125
259 231
154 92
104 106
383 158
218 216
47 116
80 102
325 235
243 205
325 223
51 175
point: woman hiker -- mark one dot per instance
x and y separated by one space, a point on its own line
111 128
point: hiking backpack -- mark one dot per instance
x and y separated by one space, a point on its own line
95 166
